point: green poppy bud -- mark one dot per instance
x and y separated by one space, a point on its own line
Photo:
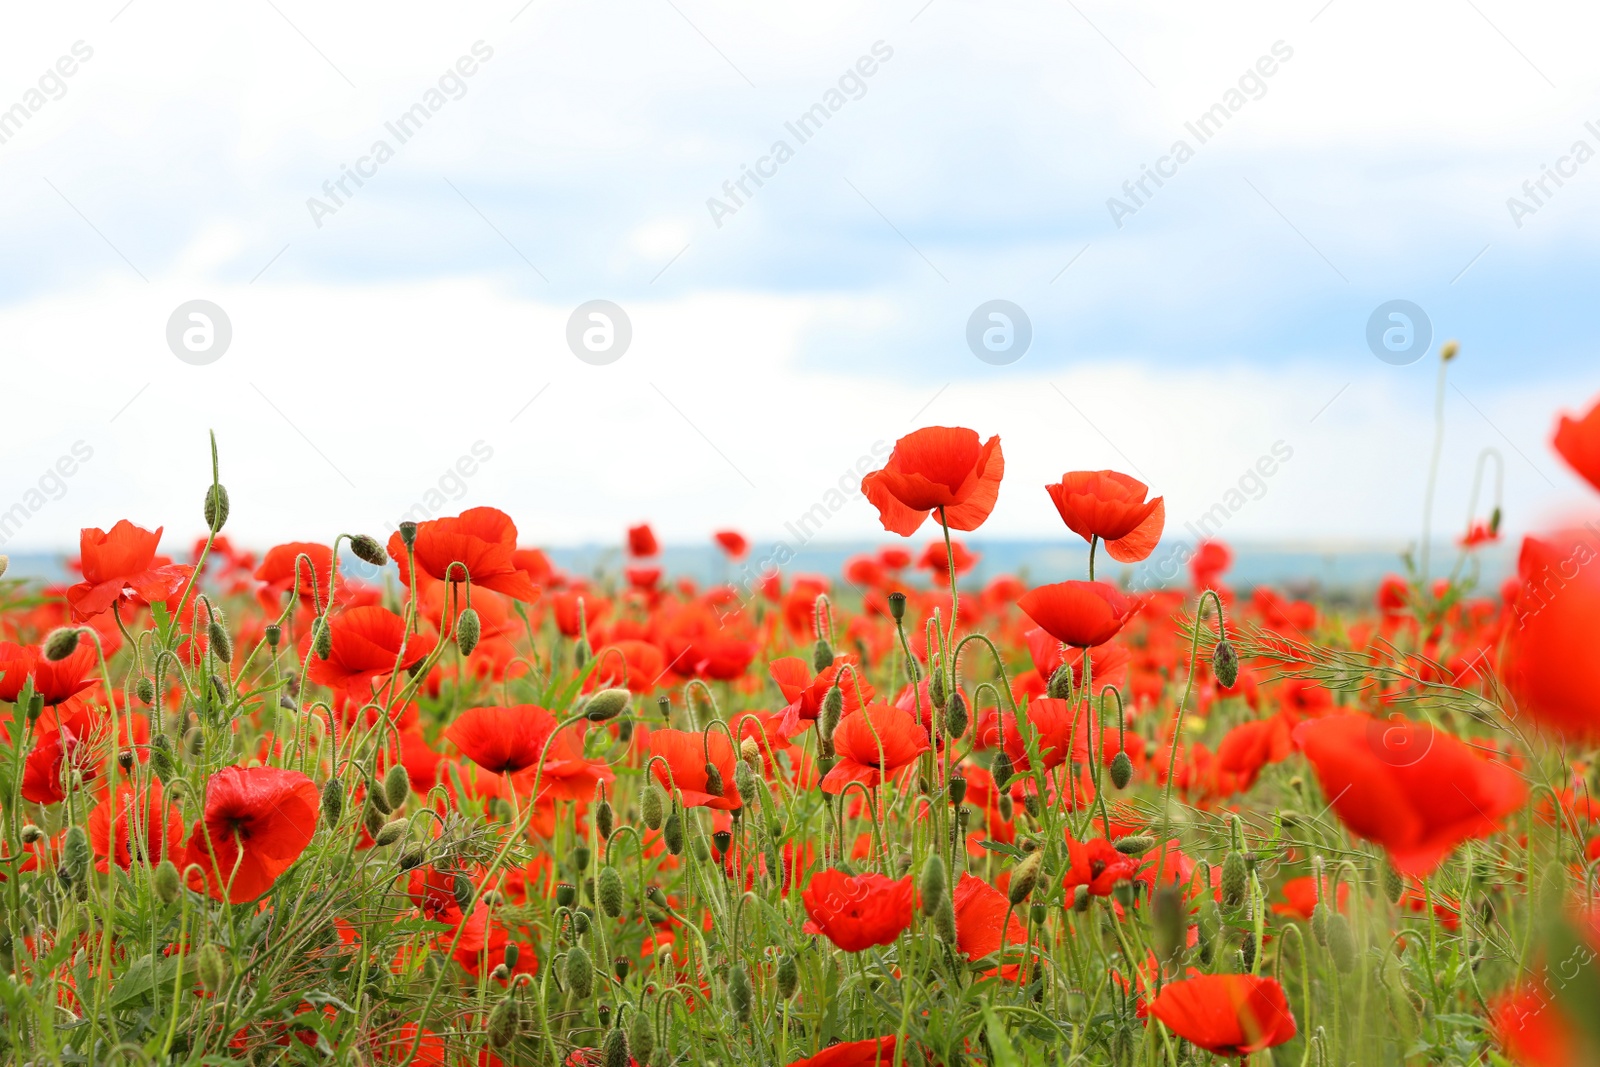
933 885
614 1053
740 995
1394 886
1341 943
714 784
936 688
672 832
396 786
391 832
1121 770
1001 770
1080 899
1225 663
411 860
1171 922
944 922
75 856
332 801
581 653
513 953
641 1036
788 975
605 819
161 763
610 891
1024 878
956 716
1060 685
1247 953
372 818
504 1022
145 690
468 630
579 973
821 656
321 637
61 644
1134 844
607 704
461 888
651 805
1235 879
216 507
221 643
212 969
166 882
367 550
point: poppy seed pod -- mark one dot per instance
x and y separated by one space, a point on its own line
1121 770
216 507
274 634
1024 878
579 973
1225 663
956 716
1060 685
212 969
166 883
367 550
332 801
468 629
607 704
932 887
1234 879
503 1022
566 894
615 1053
609 891
821 656
61 644
651 806
408 534
580 857
396 786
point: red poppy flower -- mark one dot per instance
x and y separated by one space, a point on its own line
857 912
502 740
1097 864
1532 1029
55 682
122 565
282 569
366 648
873 1052
875 743
805 693
1578 441
687 753
161 823
1226 1014
1414 789
1111 506
568 774
642 540
481 540
1081 614
1300 897
733 543
1211 559
937 467
1548 659
638 665
937 559
66 737
1252 745
981 910
257 822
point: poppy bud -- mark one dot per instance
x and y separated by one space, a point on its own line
1034 804
461 889
1134 844
1247 953
321 637
501 973
372 818
607 704
936 688
955 715
1234 879
641 1037
610 891
615 1052
61 644
1449 350
1080 899
932 888
944 921
211 968
220 642
31 834
821 656
897 605
35 707
651 804
145 690
332 801
1060 684
503 1022
1494 526
702 851
274 634
367 550
161 764
750 753
580 858
410 860
1225 663
1394 887
1024 878
714 785
377 797
468 630
408 533
1341 943
605 819
579 973
5 561
216 507
165 882
1001 770
740 995
390 832
75 855
1121 770
1319 923
832 711
744 778
672 832
1005 805
788 975
396 786
581 652
1171 922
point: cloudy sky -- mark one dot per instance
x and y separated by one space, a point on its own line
386 325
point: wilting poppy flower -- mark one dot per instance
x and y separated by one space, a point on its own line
642 540
1096 863
733 543
161 823
502 740
1112 507
1578 441
122 565
687 753
932 468
55 682
857 912
1416 790
366 648
981 911
483 541
1226 1014
257 822
875 743
1081 614
1548 660
873 1052
282 569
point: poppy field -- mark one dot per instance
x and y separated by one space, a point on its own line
481 812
